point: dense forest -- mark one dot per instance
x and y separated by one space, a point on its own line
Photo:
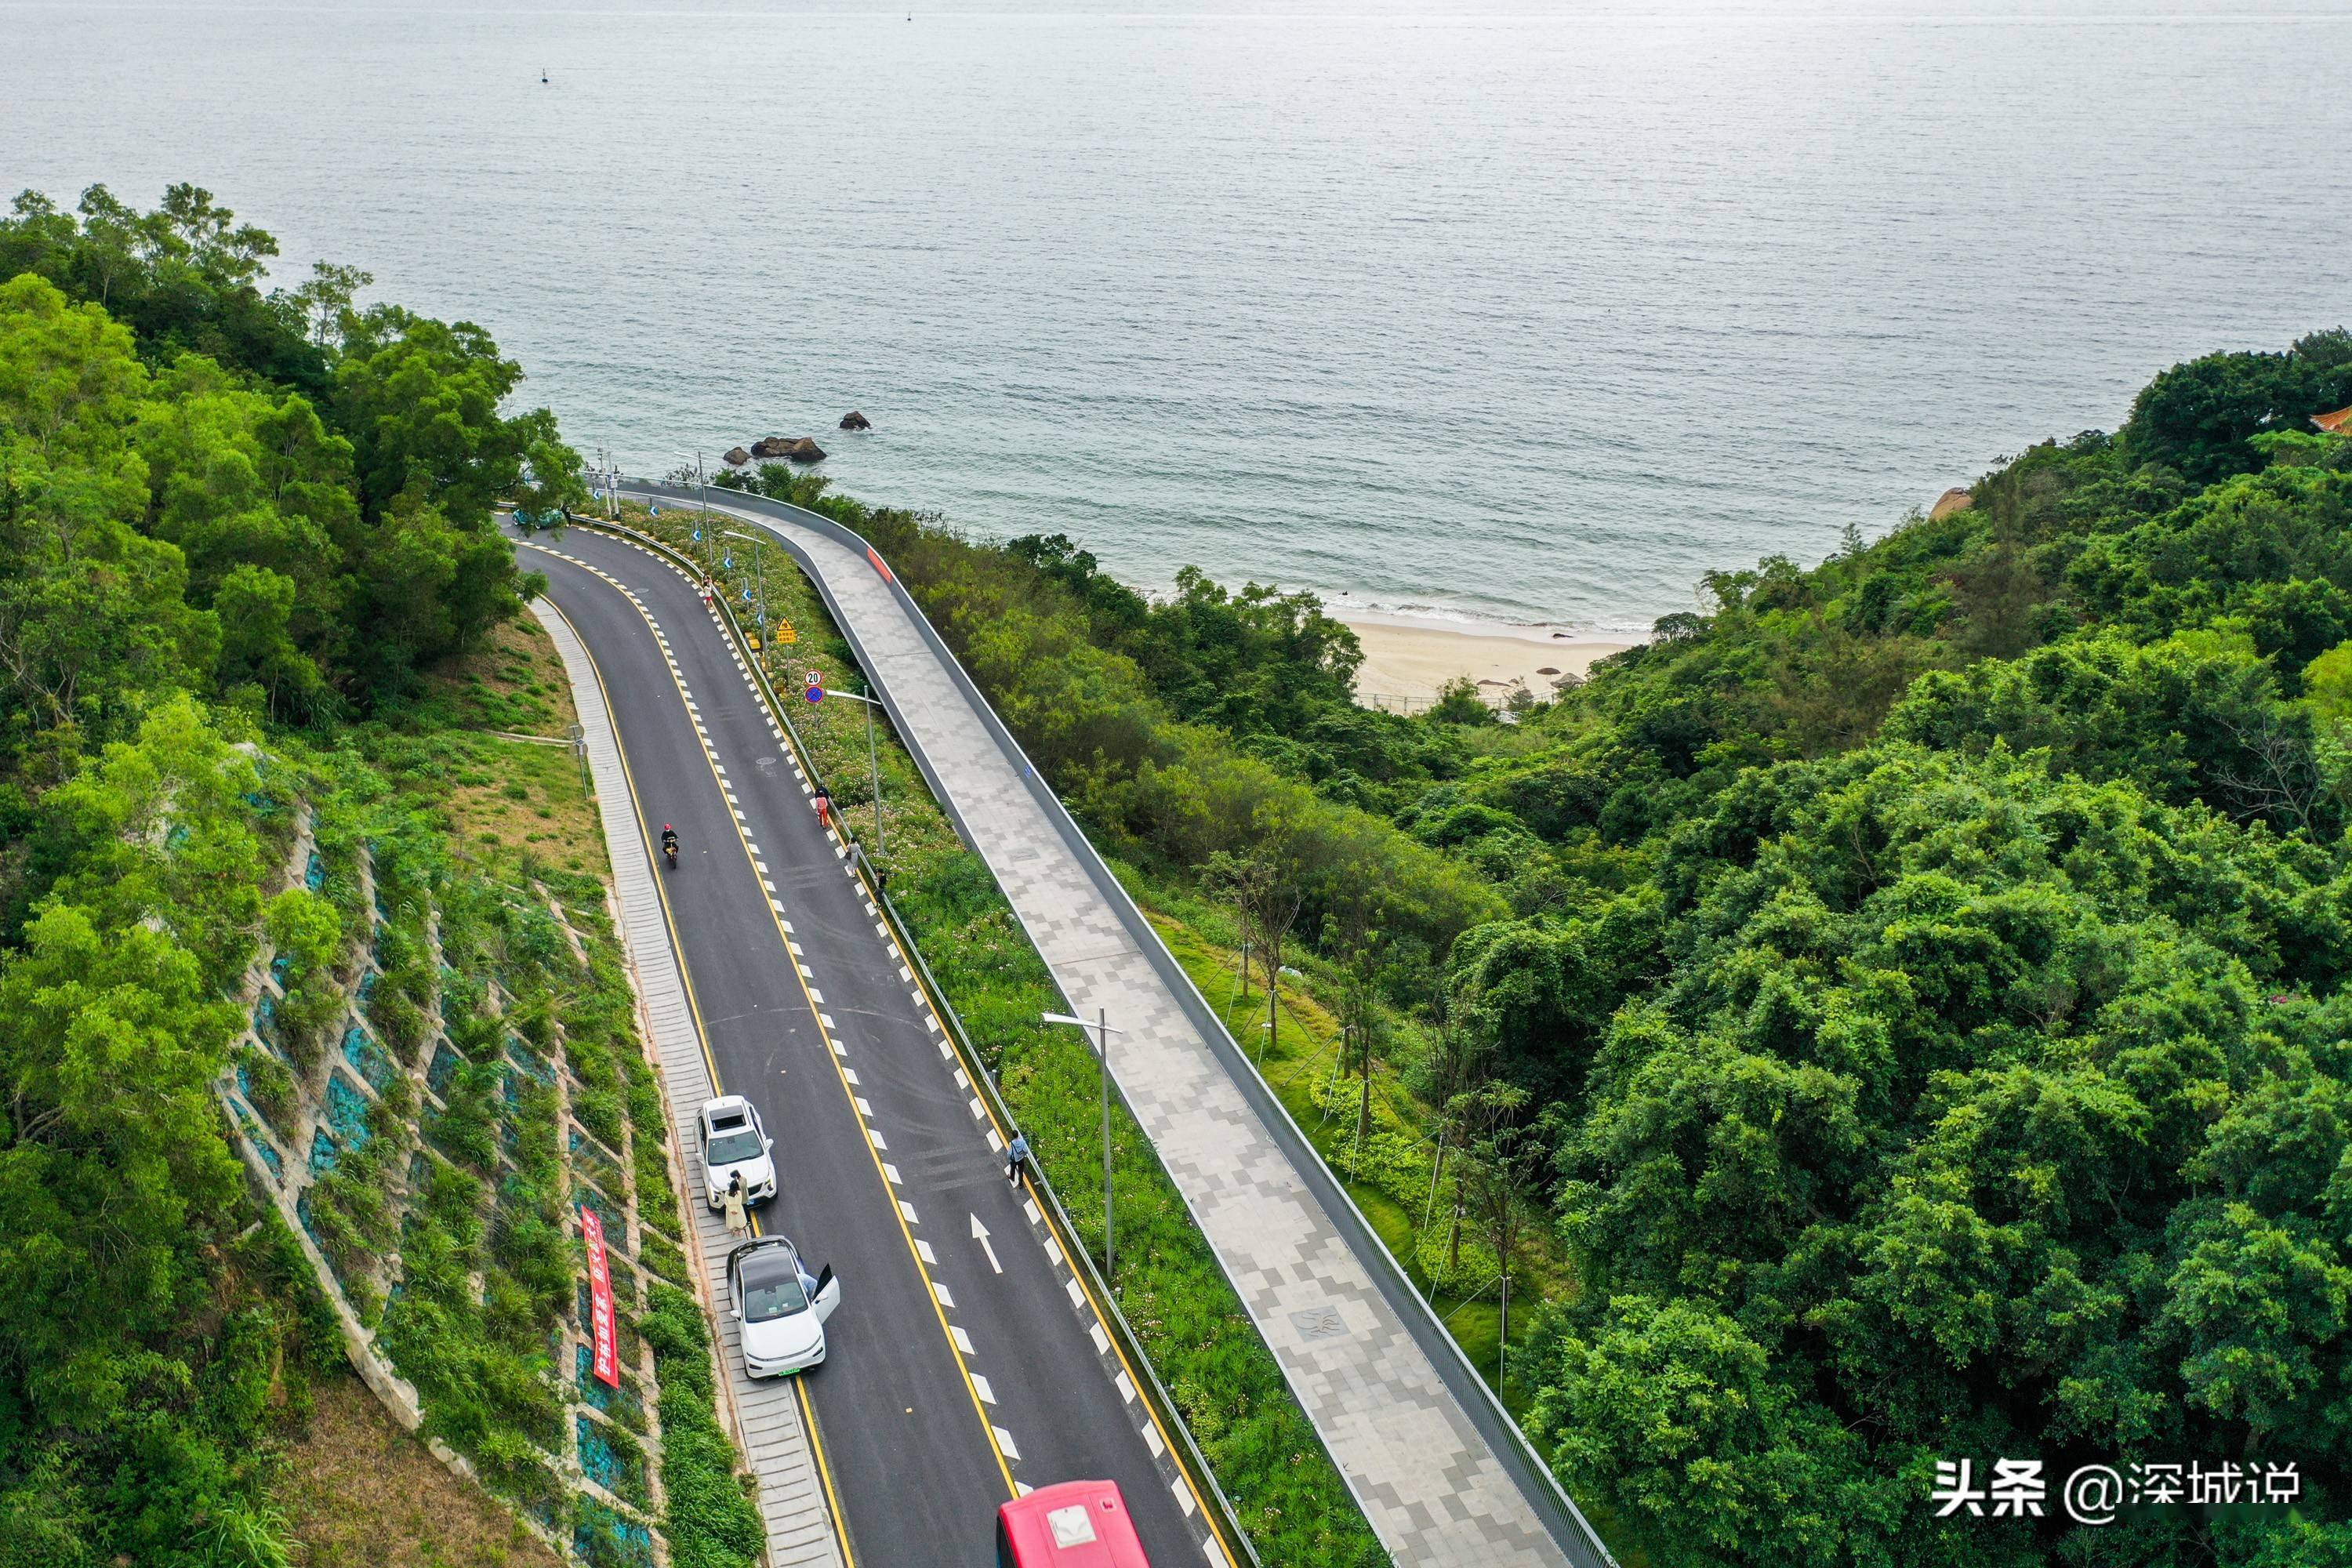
227 517
1910 992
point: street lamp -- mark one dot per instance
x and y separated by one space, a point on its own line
702 484
608 479
816 692
1103 1032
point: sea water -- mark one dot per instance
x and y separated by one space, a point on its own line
1522 312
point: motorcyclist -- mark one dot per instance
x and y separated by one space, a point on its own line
669 842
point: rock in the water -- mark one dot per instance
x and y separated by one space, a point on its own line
736 458
799 449
853 420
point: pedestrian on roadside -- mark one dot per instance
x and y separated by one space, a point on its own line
1016 1153
823 806
738 1224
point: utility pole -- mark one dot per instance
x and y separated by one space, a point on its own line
817 693
759 578
1103 1032
702 529
702 484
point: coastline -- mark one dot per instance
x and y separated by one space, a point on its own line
1407 660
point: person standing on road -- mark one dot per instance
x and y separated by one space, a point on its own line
823 806
1015 1152
738 1224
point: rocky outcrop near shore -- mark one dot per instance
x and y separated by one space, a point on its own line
853 420
798 448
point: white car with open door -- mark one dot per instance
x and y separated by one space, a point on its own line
781 1308
733 1141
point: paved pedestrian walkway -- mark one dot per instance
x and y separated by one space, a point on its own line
1441 1486
768 1417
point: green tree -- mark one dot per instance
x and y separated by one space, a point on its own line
324 302
554 478
1458 702
1263 889
2201 416
1673 1414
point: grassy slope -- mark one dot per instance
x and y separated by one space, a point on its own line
362 1493
507 806
356 1487
512 797
1301 1057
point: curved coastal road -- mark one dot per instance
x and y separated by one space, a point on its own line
1439 1468
956 1372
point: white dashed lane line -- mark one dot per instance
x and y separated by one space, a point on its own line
1056 1260
923 1251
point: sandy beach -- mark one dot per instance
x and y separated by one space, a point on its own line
1405 661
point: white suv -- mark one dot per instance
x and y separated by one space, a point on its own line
733 1143
779 1305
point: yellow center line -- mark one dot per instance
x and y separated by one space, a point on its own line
979 1407
1028 1185
823 1467
702 1038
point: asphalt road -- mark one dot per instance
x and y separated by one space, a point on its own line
947 1382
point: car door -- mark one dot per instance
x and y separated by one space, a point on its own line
828 1294
767 1145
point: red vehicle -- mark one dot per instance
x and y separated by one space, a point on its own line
1075 1524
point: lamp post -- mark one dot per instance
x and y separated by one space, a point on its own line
816 692
608 481
702 484
1103 1032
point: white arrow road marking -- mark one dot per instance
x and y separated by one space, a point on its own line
979 1234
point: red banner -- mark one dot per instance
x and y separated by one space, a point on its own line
607 1364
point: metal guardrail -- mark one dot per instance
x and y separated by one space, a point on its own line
1232 1534
1563 1520
1238 1549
